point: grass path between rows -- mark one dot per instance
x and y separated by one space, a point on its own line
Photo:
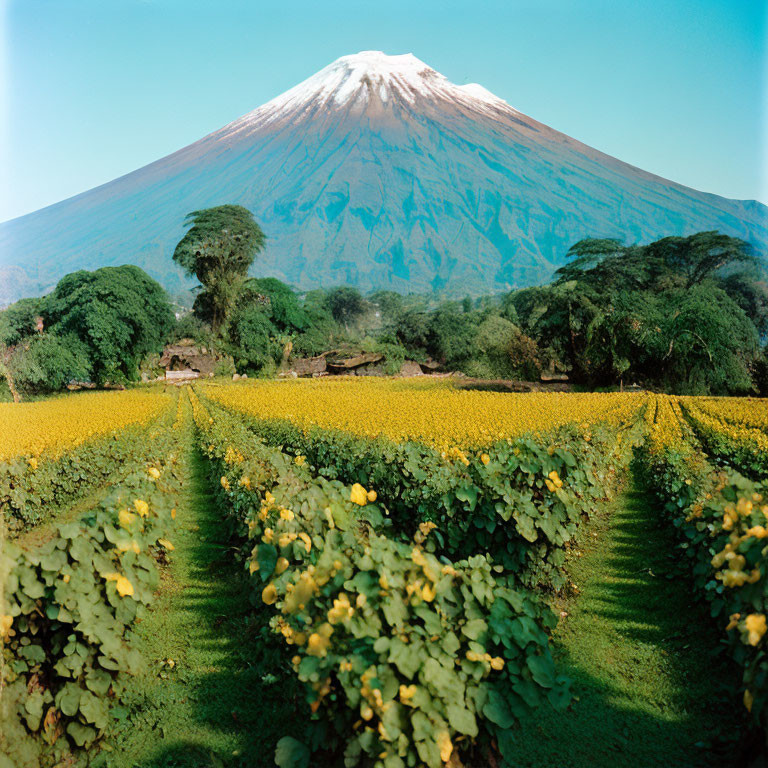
651 691
215 703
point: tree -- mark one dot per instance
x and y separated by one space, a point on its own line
120 314
19 321
253 338
347 304
284 309
47 363
712 344
218 250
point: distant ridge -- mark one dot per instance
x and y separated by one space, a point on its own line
378 172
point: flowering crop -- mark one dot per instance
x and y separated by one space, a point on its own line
67 607
745 411
53 426
721 426
431 412
410 657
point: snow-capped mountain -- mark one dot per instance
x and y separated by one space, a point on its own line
379 172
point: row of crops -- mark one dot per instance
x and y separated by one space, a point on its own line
72 592
403 541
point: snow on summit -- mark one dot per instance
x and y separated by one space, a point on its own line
370 75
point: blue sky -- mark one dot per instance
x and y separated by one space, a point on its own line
93 89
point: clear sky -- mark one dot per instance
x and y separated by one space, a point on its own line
93 89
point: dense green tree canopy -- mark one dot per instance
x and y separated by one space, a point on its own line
120 314
346 304
218 250
683 313
47 363
19 320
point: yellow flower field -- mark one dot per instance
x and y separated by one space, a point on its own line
747 412
53 426
431 411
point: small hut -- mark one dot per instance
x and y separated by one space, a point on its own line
186 360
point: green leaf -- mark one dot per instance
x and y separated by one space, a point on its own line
468 493
542 670
267 556
94 710
68 699
81 734
497 710
462 719
291 753
474 629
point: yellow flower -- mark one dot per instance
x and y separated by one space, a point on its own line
497 663
307 541
154 473
286 514
485 458
224 483
141 507
269 594
756 626
126 518
124 587
32 461
318 645
407 692
428 593
5 626
372 495
444 745
555 478
358 495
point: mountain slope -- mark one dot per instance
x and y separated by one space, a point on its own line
379 172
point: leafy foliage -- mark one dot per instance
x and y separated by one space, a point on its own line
218 250
378 625
520 501
19 321
47 363
119 314
682 313
69 604
31 488
720 519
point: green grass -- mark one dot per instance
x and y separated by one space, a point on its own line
641 653
226 700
